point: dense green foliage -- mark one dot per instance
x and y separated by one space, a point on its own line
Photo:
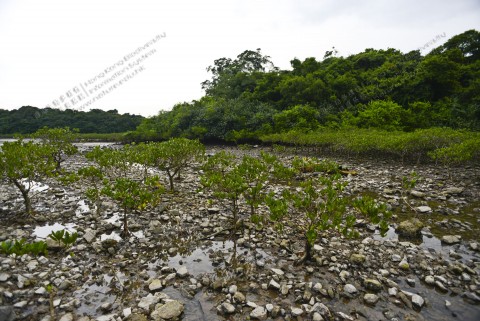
27 120
248 97
25 163
60 140
446 145
21 247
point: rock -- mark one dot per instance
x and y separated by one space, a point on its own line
155 285
373 285
411 227
273 285
20 304
392 291
451 239
227 308
417 301
404 264
429 280
89 235
296 312
147 302
370 298
323 310
472 297
259 313
453 190
4 277
396 258
417 194
127 312
345 316
278 272
317 317
350 290
284 288
182 271
423 209
169 310
239 297
67 317
357 258
7 313
232 289
32 265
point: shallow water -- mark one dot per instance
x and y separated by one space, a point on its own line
199 308
42 232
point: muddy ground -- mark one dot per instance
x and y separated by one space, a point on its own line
183 262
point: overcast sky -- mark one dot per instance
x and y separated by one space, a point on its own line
153 54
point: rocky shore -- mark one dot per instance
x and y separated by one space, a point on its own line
182 262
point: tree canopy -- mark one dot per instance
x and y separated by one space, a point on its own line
248 96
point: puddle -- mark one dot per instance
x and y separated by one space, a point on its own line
115 219
93 295
198 261
197 309
428 242
112 236
36 187
82 208
138 234
41 232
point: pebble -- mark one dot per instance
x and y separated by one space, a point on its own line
259 313
350 290
417 301
451 239
424 209
370 298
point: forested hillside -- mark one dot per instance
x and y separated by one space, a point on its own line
27 120
248 97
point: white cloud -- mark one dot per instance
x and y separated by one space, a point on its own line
50 46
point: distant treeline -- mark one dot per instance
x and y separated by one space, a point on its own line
248 98
28 119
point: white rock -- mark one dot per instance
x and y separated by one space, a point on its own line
155 285
20 304
127 312
232 289
350 289
278 272
370 298
424 209
147 302
228 308
297 312
41 291
259 313
429 280
273 284
67 317
182 271
417 300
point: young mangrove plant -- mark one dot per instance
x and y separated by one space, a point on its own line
60 141
24 164
318 205
64 237
257 174
174 155
133 195
21 247
223 178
